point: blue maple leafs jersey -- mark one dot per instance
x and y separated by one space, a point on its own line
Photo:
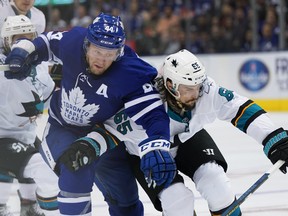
85 99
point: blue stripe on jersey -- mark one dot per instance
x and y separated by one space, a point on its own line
245 117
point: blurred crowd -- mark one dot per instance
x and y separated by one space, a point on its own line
158 27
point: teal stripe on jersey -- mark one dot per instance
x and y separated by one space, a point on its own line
49 204
248 113
6 178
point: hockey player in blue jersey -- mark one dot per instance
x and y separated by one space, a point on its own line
100 75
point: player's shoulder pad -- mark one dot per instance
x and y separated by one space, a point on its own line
134 66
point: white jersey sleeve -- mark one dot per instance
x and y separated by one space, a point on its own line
226 105
126 130
47 83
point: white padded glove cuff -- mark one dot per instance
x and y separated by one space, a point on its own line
24 44
153 145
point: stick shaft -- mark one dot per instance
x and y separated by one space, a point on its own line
4 68
253 188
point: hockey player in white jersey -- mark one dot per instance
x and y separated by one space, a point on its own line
22 102
193 100
12 8
24 7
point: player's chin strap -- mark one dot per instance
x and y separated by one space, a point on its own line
253 188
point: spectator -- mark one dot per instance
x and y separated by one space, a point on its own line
148 42
167 20
268 41
56 23
82 18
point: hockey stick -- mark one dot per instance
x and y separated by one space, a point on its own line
4 67
253 188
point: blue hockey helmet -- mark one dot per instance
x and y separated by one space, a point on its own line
107 31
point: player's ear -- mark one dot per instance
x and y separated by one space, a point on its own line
169 84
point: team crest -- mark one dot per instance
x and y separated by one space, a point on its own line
74 110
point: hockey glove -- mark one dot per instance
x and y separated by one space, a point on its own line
276 147
20 60
157 164
80 153
87 149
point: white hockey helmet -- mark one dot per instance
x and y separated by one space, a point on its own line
16 25
184 68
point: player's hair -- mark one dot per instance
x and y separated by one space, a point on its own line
16 25
106 31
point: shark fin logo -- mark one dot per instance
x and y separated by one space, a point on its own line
33 108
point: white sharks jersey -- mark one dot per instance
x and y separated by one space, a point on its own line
215 102
22 102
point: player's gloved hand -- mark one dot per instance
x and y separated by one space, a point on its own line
87 149
79 154
20 59
276 147
157 164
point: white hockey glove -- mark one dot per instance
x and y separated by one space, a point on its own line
157 164
20 59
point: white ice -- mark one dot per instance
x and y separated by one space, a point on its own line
247 163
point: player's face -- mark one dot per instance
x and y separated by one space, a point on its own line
24 5
188 95
100 59
29 36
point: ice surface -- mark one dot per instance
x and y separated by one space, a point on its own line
247 163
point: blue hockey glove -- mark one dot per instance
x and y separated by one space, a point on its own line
157 164
20 59
276 147
87 149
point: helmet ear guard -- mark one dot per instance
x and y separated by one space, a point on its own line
183 68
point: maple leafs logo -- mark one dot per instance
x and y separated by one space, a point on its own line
73 109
